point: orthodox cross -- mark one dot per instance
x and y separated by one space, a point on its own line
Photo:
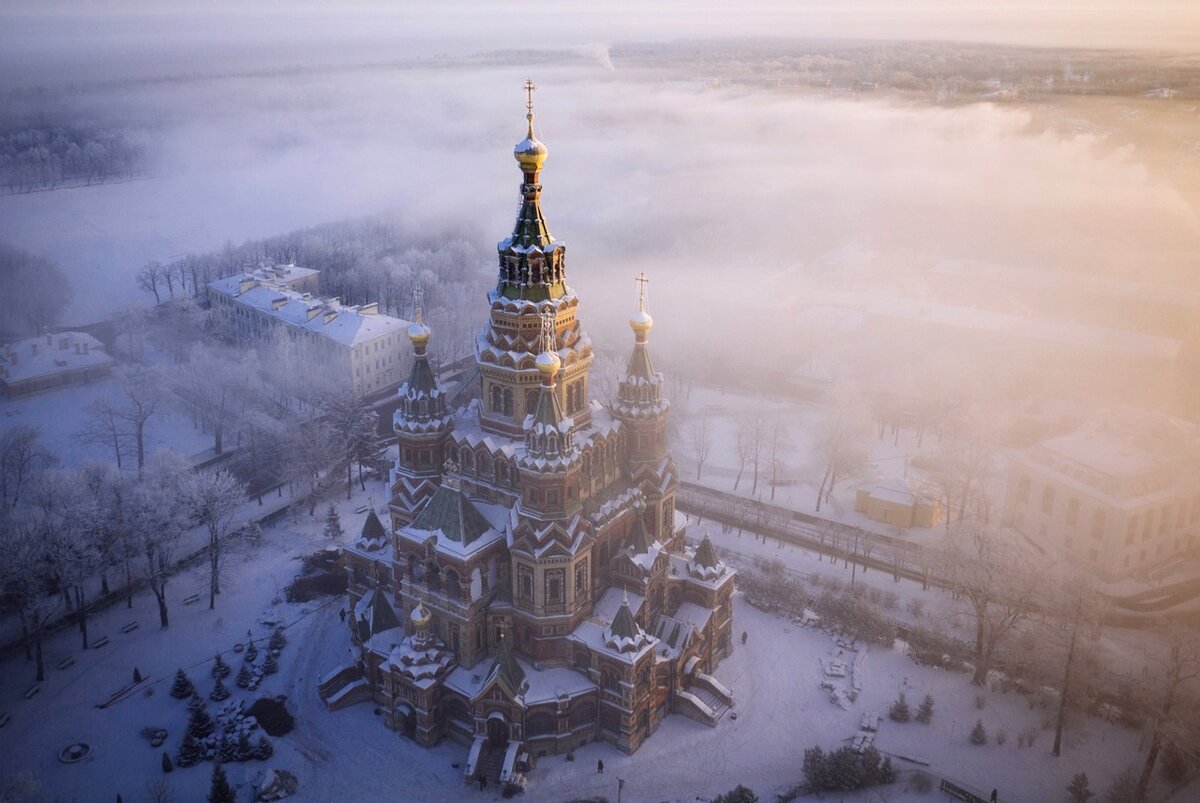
529 90
418 303
642 282
547 330
449 469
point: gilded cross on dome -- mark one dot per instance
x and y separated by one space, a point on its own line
642 282
547 330
530 88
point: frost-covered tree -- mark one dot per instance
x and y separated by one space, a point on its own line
157 516
1169 692
1079 789
22 456
182 688
150 279
214 498
899 711
140 399
220 669
220 790
67 516
925 711
997 581
841 446
23 579
699 441
216 381
979 733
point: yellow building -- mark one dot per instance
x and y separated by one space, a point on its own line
897 506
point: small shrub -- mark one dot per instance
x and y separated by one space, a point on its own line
1123 788
979 733
1001 736
220 669
738 794
1079 789
219 692
919 782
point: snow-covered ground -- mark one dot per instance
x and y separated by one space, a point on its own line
61 414
350 754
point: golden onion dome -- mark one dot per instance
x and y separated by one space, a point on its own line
641 322
530 153
419 333
548 362
420 616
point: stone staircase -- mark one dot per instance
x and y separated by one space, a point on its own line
717 703
490 763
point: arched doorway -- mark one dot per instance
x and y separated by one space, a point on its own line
406 717
497 730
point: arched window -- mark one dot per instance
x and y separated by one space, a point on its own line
508 402
466 460
485 465
497 399
453 586
502 472
608 680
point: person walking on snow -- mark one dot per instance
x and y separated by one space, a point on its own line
600 765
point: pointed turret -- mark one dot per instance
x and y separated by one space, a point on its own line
639 394
373 535
624 634
422 423
532 263
705 565
549 443
640 541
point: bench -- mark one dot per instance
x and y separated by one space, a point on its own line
100 642
66 662
32 690
4 718
194 598
129 628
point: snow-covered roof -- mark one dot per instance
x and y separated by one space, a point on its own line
282 275
51 354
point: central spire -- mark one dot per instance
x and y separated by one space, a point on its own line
531 261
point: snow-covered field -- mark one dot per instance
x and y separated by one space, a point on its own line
349 755
61 414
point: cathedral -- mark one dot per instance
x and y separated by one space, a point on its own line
530 591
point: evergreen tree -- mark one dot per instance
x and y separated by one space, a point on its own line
271 665
251 652
182 687
1079 789
333 525
739 794
219 692
899 711
243 676
220 669
167 766
263 750
887 772
1123 789
245 750
196 703
200 724
221 791
978 733
227 751
278 640
925 711
191 752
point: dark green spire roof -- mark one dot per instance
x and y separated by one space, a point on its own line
639 362
451 512
510 674
706 555
380 616
372 529
639 538
623 624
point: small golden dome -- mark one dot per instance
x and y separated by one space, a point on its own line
420 616
530 153
419 334
641 322
548 362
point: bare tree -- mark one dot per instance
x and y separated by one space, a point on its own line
141 391
1082 609
21 458
214 497
1169 687
214 381
998 583
150 278
70 554
780 442
700 442
105 426
841 445
751 439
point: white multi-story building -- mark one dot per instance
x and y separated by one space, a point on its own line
1121 495
354 344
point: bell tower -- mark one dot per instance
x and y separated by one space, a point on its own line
531 281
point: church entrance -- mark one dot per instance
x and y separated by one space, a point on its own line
497 730
407 719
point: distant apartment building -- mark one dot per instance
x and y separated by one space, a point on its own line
51 361
1120 496
355 344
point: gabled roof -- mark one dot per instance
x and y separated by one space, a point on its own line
450 512
374 615
639 539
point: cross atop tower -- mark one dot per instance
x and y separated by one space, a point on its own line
642 281
530 88
547 330
418 303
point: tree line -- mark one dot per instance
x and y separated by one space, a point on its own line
46 158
